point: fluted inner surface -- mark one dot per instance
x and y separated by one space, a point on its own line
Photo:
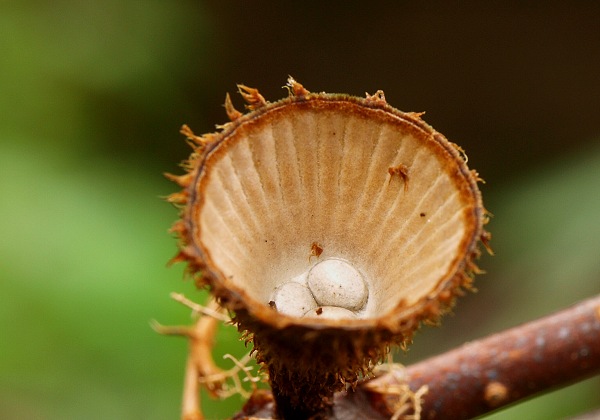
278 184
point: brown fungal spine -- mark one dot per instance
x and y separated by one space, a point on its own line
295 88
485 239
196 140
263 175
232 113
377 98
252 97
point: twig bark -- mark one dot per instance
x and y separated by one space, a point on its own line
506 367
484 375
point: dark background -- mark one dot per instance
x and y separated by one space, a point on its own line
92 95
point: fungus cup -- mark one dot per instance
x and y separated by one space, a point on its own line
394 209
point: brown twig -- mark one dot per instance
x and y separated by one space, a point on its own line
484 375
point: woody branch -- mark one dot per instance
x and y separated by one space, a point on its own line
506 367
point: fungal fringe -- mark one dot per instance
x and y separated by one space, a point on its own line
232 113
294 88
252 97
376 98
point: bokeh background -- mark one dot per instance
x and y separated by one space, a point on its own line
92 95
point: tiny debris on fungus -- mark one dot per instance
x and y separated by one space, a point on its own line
315 250
402 172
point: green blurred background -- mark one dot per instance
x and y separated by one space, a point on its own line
92 95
